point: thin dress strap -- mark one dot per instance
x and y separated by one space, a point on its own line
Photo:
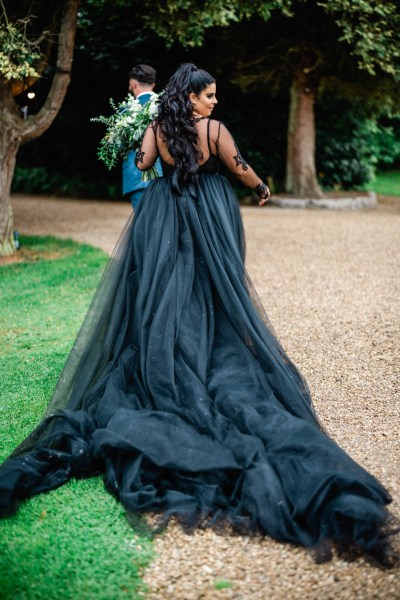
217 140
208 135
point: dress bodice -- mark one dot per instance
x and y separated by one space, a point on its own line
211 165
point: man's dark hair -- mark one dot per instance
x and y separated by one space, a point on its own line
143 74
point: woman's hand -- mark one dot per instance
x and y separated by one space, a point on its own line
265 198
262 192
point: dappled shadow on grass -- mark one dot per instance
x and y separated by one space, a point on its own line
33 249
43 303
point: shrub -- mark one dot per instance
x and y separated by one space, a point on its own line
39 180
351 146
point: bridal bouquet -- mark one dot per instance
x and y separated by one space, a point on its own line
125 130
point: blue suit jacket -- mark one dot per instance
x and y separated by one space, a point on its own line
131 176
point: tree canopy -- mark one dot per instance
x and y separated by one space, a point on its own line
369 28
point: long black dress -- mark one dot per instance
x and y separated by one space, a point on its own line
178 390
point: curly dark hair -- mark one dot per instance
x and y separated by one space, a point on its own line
176 120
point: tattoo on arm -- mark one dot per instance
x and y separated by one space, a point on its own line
239 160
139 156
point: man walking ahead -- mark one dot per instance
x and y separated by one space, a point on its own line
142 80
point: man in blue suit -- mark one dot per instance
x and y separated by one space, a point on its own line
142 80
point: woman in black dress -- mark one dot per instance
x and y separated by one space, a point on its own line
176 387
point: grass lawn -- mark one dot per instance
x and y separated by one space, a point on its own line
74 542
387 183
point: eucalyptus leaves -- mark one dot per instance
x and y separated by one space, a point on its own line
125 130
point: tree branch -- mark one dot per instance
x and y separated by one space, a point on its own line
35 125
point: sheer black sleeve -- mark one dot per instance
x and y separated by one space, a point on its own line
231 157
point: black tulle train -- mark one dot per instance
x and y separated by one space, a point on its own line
177 389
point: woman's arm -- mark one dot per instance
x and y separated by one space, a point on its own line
231 157
148 153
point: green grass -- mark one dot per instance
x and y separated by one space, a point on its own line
73 542
387 183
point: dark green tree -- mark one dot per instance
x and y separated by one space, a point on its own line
33 36
302 46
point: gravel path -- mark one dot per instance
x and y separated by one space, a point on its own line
330 284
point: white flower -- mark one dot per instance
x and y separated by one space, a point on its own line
153 111
126 127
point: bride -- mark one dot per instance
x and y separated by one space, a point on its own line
176 387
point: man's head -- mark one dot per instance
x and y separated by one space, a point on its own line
142 78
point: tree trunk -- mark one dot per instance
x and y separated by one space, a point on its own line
15 131
7 245
10 139
301 178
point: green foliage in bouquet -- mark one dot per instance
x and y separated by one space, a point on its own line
125 130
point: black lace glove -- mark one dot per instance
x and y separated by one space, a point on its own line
262 191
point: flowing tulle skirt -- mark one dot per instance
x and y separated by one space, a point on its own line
179 392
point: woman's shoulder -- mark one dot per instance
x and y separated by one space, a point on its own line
215 126
216 129
215 122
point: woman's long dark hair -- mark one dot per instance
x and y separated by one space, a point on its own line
176 119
